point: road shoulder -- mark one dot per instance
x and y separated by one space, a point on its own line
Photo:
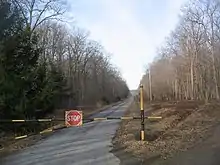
119 150
184 126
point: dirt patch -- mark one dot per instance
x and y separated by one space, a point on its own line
183 125
12 146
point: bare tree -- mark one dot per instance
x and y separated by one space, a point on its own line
36 12
187 66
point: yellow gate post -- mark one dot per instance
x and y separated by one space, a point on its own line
142 111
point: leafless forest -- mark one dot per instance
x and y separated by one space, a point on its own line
187 66
86 65
47 62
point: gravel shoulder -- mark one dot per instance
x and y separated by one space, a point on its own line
184 127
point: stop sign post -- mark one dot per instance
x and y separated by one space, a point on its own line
73 118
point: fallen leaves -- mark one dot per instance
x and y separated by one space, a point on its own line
183 125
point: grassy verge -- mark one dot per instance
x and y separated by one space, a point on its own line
184 125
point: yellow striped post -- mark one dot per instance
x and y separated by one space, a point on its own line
126 118
46 131
142 111
154 117
100 118
18 120
20 137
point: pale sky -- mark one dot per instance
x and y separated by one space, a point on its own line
131 30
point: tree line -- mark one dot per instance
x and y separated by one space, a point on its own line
187 65
45 64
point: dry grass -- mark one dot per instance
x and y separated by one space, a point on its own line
184 125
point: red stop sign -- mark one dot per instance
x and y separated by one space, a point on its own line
73 118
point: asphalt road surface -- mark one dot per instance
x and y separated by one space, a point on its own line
86 145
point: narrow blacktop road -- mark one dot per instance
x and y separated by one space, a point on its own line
87 145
